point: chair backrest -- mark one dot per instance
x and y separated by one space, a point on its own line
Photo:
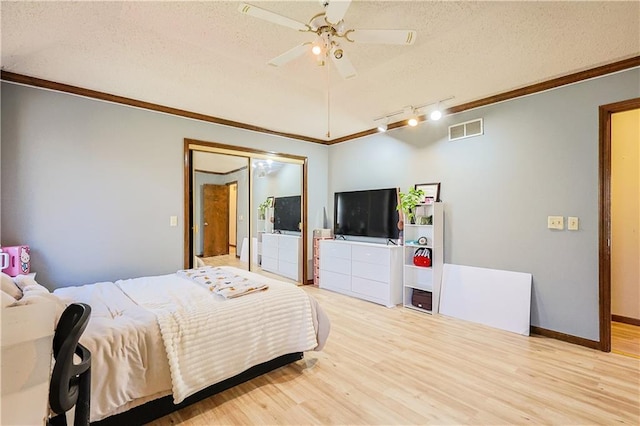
65 384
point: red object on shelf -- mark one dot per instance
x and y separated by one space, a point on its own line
422 257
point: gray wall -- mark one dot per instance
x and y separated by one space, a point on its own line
538 157
90 185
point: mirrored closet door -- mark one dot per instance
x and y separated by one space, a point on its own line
245 208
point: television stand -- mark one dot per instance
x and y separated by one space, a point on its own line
368 271
281 255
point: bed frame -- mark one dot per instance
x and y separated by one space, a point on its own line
160 407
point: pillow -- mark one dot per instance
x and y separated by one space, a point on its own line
36 297
25 280
7 299
9 287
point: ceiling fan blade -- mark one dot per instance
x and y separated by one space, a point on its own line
290 55
382 36
266 15
343 64
336 10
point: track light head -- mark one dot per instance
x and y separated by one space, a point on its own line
435 115
382 124
413 121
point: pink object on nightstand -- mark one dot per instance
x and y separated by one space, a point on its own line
15 260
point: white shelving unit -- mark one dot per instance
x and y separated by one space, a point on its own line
423 278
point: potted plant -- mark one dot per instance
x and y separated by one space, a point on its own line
408 202
262 208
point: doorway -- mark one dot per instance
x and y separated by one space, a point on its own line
610 199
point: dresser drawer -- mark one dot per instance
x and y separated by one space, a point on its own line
376 255
269 240
335 249
270 264
371 289
289 243
333 281
288 254
335 264
370 271
288 269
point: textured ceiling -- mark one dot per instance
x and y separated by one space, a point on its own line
208 58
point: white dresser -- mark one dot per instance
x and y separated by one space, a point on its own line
281 255
367 271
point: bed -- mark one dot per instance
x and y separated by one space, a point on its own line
160 343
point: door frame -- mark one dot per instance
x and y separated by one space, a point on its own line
605 112
191 145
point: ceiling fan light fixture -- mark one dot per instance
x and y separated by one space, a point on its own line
316 50
338 53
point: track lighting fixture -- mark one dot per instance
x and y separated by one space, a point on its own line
383 124
415 114
436 114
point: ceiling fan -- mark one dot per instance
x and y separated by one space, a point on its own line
331 35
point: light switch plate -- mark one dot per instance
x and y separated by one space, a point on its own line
173 221
573 223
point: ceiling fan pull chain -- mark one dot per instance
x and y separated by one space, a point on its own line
328 104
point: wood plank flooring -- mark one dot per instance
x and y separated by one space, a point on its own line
625 339
398 366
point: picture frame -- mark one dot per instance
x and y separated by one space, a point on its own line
431 192
271 201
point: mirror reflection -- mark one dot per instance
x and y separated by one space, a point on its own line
220 206
276 233
248 213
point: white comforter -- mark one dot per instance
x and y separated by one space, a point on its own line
155 335
128 361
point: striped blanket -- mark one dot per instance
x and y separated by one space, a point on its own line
222 281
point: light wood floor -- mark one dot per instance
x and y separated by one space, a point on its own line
398 366
625 339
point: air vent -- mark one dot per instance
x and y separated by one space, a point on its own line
466 129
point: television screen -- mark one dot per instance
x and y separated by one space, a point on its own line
286 213
370 213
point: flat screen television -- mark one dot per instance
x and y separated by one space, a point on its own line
286 213
370 213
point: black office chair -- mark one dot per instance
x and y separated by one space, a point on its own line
71 383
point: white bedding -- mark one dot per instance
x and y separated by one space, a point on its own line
209 338
128 360
141 327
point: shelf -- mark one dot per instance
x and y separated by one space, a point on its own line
418 245
417 226
420 268
423 287
415 308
